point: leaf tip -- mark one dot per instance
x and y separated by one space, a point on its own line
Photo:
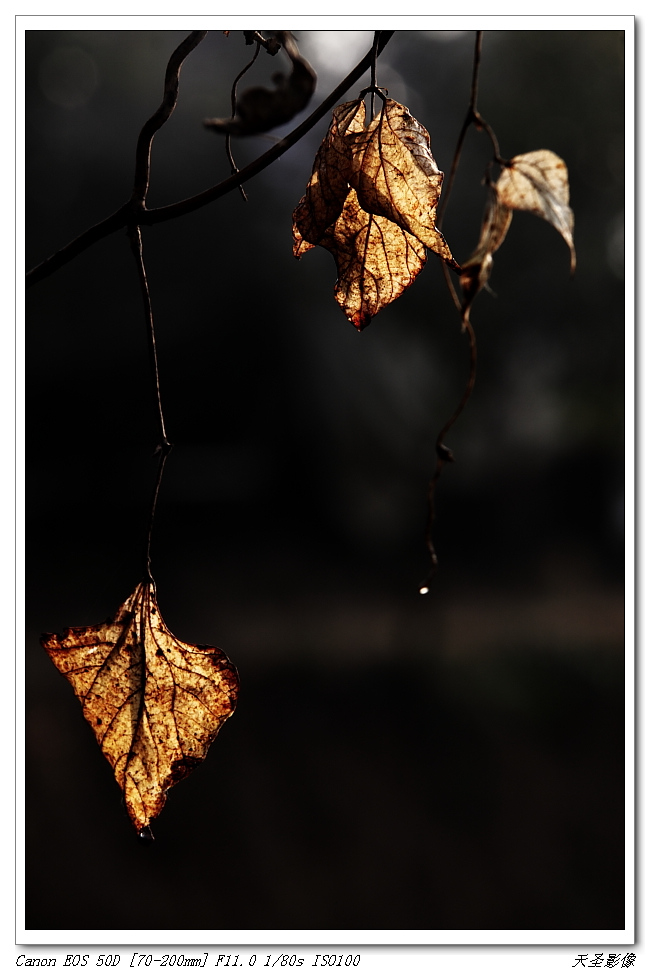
360 320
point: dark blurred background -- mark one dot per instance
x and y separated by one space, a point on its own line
396 761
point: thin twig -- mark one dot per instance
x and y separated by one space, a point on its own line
164 445
445 456
233 106
161 115
139 202
136 246
469 120
164 453
81 243
122 216
452 290
473 117
443 453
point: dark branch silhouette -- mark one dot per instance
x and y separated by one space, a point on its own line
139 214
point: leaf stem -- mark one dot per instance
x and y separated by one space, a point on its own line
164 445
136 247
233 106
469 120
473 117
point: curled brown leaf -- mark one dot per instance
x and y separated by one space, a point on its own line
328 187
260 109
476 269
154 702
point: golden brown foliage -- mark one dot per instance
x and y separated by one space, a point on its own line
154 702
371 201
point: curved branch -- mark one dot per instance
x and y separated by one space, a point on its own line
125 214
161 115
469 119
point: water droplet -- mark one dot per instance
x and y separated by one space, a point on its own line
146 836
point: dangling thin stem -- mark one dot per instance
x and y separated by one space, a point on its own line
443 453
233 106
164 446
164 452
469 119
444 456
473 117
136 246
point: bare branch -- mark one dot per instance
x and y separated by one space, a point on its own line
163 113
126 214
233 105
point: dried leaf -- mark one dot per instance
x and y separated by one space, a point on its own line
154 702
371 201
539 182
260 109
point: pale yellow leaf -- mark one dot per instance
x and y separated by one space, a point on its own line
539 182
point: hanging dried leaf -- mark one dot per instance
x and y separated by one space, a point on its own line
539 182
371 201
154 702
477 268
260 109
